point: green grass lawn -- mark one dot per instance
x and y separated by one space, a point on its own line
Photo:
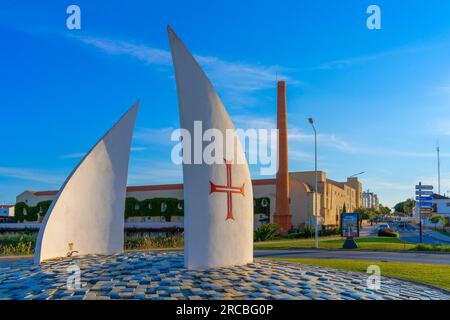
375 243
443 231
433 274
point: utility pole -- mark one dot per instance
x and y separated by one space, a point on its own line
420 216
439 169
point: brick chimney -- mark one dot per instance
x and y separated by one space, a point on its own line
282 216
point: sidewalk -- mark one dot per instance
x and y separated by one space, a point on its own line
433 234
437 235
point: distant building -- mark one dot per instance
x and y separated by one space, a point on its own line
6 213
332 198
370 200
441 206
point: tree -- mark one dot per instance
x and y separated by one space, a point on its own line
384 210
409 205
399 207
436 219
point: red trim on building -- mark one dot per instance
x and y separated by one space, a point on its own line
45 193
263 182
178 186
157 187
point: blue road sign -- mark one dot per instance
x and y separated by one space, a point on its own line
424 198
424 187
424 193
425 204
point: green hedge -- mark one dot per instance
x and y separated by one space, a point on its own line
134 208
31 212
153 207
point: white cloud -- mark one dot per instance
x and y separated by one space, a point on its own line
154 136
79 155
236 77
296 135
30 175
75 155
254 122
388 185
144 53
154 172
342 63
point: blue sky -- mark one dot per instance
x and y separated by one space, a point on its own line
380 98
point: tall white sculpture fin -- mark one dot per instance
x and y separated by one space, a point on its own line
218 198
87 215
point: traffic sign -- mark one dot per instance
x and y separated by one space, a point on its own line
424 187
425 204
425 214
424 198
424 193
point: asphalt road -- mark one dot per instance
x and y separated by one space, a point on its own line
410 234
400 256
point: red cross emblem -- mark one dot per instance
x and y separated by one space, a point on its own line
228 189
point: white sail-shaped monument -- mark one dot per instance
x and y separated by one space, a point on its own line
218 197
87 215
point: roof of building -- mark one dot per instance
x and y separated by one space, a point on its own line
336 183
438 196
175 186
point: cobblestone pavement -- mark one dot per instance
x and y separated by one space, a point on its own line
145 275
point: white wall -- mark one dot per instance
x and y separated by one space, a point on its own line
443 206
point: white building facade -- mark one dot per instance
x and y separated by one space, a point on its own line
333 197
370 200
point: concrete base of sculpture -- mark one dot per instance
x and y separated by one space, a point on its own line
87 215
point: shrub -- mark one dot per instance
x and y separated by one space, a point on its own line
429 247
17 244
329 232
145 243
266 232
294 235
388 232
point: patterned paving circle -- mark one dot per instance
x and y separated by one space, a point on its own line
144 275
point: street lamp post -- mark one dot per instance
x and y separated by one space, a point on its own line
316 227
353 175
